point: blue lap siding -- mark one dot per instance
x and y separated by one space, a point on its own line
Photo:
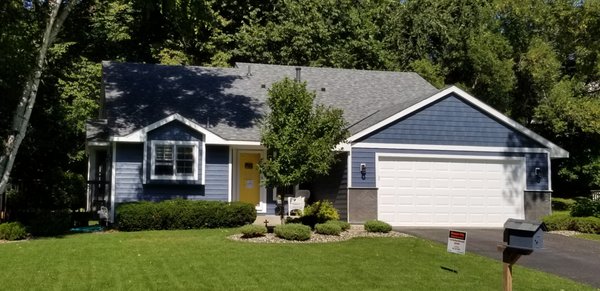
454 122
451 121
129 186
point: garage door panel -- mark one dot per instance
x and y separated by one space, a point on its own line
449 192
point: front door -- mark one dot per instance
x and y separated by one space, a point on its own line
249 178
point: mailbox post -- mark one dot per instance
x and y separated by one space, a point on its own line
521 237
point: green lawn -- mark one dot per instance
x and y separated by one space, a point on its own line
206 259
589 236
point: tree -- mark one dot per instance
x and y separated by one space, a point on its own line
57 13
300 138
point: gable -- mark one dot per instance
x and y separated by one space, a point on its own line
175 130
451 121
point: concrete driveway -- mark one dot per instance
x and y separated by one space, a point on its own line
573 258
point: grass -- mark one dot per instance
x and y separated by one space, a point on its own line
207 260
589 236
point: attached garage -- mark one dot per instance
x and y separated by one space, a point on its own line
449 191
449 160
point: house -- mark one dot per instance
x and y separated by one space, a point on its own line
417 156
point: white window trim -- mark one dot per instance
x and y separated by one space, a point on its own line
175 177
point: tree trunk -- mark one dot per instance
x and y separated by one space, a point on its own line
24 108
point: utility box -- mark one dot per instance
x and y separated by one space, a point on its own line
523 234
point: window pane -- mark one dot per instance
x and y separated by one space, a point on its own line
163 170
185 160
164 153
185 153
163 165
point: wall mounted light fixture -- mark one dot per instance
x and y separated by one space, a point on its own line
363 171
538 174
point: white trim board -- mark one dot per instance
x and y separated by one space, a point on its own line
174 176
113 182
449 148
210 138
555 151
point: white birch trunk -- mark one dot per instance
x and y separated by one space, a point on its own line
57 16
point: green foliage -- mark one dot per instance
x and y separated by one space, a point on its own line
252 230
183 214
45 222
328 228
12 231
584 207
561 204
431 72
293 231
377 226
319 212
299 138
318 33
563 221
342 224
559 221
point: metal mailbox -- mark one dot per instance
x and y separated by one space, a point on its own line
524 234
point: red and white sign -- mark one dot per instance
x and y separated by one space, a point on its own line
457 242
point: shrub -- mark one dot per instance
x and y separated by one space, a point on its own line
290 219
293 231
44 222
559 221
563 221
183 214
328 229
12 231
584 207
562 204
252 230
377 226
319 212
587 224
342 224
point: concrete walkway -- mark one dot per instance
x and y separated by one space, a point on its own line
569 257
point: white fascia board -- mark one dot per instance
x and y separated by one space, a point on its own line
343 147
555 151
210 137
448 148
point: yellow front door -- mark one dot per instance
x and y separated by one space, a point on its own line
249 178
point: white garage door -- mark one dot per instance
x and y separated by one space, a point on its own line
444 191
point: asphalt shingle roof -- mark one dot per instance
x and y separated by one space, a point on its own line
231 101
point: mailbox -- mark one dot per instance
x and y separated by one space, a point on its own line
524 234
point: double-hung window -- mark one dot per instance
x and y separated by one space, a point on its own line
174 160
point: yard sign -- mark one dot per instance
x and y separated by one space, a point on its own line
457 242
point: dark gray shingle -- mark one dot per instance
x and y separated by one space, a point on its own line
230 102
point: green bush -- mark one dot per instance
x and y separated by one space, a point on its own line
183 214
377 226
328 228
342 224
252 230
319 212
293 231
44 222
562 204
584 207
563 221
588 224
559 221
12 231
